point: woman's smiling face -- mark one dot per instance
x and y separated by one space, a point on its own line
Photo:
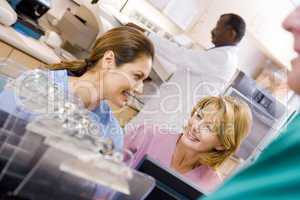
200 134
292 24
126 80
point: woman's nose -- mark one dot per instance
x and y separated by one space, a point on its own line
196 126
292 22
139 88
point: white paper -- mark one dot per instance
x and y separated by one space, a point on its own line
184 13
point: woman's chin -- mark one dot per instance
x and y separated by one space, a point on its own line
119 102
190 144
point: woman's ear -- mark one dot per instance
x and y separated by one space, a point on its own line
108 60
233 35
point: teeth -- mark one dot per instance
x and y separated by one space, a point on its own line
192 138
127 93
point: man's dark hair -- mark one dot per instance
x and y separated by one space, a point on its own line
238 24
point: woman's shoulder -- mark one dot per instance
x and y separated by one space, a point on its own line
109 124
206 178
207 171
104 112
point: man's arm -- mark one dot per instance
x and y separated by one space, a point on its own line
196 61
171 52
207 62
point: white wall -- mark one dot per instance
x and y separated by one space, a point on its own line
152 14
251 59
267 29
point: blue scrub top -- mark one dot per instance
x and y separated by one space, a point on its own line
109 125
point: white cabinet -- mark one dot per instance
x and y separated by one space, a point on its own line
190 11
182 13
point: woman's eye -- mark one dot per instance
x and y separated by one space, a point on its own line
199 116
204 129
209 128
137 76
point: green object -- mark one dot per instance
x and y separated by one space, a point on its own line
275 175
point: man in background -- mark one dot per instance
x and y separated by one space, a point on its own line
222 58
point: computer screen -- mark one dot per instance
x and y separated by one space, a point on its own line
169 185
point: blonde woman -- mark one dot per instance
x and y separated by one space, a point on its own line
214 132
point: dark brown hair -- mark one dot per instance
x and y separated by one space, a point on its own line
238 24
127 43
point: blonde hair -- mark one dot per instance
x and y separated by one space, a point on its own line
232 127
126 42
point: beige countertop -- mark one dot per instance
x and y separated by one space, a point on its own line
32 47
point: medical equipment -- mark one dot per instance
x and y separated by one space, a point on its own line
269 115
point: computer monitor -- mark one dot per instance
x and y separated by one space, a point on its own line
169 184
